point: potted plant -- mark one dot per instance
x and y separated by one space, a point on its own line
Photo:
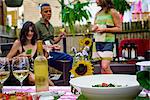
74 12
143 77
13 3
121 5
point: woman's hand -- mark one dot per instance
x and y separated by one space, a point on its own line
94 28
24 55
99 28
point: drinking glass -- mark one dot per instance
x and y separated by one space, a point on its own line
48 48
48 51
4 70
20 68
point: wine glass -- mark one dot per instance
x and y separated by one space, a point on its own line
4 70
20 68
48 48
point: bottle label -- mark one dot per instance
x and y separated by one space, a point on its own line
133 53
41 84
40 80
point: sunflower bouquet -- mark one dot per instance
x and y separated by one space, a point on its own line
82 65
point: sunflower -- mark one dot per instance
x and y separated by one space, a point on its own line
81 42
82 68
87 42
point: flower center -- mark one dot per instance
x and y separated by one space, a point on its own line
87 42
81 69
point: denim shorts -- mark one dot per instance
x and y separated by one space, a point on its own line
104 46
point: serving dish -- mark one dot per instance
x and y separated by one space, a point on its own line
129 89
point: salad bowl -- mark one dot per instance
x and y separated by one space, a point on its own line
126 87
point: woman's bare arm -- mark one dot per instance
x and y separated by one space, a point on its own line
117 24
14 49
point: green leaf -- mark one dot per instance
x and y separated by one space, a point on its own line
85 15
143 77
142 98
74 12
56 97
82 97
29 51
8 28
121 5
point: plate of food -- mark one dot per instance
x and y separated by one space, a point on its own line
28 93
107 86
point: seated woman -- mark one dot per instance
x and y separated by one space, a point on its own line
27 40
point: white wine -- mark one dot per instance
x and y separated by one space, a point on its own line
20 74
41 70
4 76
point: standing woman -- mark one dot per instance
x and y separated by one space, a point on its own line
27 40
107 21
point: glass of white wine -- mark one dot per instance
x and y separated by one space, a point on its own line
20 68
48 48
4 70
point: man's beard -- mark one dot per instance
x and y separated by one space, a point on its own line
46 19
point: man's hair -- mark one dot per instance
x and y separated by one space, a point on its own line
43 5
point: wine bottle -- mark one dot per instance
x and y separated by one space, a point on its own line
123 51
126 51
94 52
133 51
129 50
41 69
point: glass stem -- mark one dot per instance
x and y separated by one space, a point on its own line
1 87
21 84
49 56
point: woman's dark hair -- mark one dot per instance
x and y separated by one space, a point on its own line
24 32
108 4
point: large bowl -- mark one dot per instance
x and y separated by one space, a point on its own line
128 91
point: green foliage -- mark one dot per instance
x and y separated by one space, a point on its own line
56 97
121 5
74 12
142 98
143 77
29 51
82 97
8 28
13 3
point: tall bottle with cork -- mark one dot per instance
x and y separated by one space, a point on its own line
41 69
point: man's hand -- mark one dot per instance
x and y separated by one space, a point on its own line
60 36
56 47
62 33
52 47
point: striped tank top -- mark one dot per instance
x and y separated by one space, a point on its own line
104 20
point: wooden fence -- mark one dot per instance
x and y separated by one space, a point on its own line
140 29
